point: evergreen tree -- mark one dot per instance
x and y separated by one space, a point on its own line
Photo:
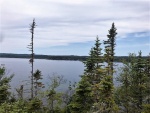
23 106
133 90
87 89
98 60
106 100
34 106
105 88
4 85
109 49
16 107
82 98
94 63
147 72
106 84
138 86
139 81
123 91
94 70
90 67
38 84
97 53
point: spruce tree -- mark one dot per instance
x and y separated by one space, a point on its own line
94 70
97 53
146 105
94 63
109 49
147 72
123 91
98 60
106 100
87 92
89 70
138 86
82 98
106 84
134 85
139 92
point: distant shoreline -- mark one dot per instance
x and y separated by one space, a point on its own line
57 57
48 57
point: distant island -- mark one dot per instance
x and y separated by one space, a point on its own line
56 57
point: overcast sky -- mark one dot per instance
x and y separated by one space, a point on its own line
70 27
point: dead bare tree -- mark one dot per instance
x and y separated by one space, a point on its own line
30 46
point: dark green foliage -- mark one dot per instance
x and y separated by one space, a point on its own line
147 72
93 63
21 106
122 93
48 57
138 82
34 106
90 67
82 98
106 100
94 71
89 63
133 91
106 103
109 49
37 84
4 85
60 57
97 54
15 107
98 60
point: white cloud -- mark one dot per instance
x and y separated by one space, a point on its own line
61 22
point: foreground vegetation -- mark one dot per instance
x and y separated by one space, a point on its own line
94 93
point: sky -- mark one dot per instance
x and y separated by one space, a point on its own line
70 27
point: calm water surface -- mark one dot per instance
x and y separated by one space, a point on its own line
21 68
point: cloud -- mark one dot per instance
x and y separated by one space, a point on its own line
63 22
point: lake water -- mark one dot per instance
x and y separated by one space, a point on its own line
21 68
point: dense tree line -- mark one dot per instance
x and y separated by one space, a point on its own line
94 93
48 57
59 57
